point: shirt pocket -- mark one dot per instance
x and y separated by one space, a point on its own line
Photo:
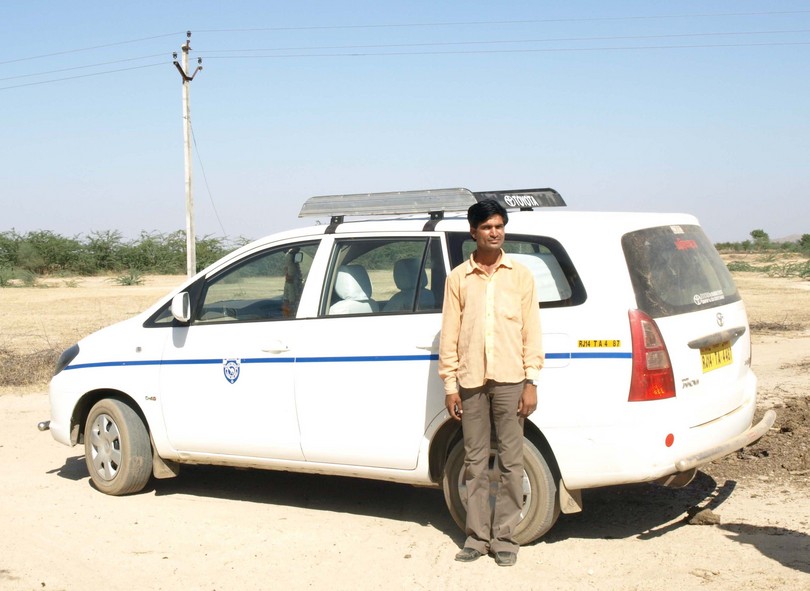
508 307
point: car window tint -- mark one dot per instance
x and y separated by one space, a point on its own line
556 280
384 276
267 286
676 269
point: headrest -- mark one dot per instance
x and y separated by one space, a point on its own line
405 273
352 283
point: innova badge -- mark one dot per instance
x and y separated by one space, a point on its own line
231 368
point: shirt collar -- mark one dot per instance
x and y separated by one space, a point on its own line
504 261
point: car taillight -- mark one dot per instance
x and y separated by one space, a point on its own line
652 377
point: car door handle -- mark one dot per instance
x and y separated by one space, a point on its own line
276 347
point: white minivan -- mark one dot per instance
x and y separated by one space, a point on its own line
315 350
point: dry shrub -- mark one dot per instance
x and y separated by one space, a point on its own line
778 326
23 369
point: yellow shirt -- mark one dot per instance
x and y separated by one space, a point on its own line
490 326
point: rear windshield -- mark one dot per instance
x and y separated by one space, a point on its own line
675 270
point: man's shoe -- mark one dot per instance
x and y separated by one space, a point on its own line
468 555
505 558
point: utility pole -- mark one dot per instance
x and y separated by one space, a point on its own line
191 244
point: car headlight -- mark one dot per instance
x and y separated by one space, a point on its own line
66 357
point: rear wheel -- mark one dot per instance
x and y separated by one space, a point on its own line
117 449
541 506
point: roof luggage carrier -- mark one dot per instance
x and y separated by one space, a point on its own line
432 201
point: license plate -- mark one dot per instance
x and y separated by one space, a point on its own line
718 355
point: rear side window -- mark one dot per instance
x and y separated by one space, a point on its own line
384 276
675 270
557 281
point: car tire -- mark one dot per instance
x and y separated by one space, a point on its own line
117 449
541 501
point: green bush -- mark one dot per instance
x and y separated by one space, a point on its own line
23 276
133 277
789 270
24 256
740 266
6 275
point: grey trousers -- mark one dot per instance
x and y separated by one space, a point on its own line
488 529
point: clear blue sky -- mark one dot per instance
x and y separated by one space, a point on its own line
701 107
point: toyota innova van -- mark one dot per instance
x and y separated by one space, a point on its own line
315 350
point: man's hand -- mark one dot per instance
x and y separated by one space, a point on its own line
528 400
453 404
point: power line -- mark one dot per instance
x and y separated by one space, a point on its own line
426 44
81 76
205 179
514 41
504 22
131 59
419 53
91 48
310 49
414 25
503 51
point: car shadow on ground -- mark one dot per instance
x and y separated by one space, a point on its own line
387 500
358 496
639 510
643 511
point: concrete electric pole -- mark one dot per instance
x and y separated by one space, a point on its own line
191 245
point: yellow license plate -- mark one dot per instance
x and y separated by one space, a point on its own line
718 355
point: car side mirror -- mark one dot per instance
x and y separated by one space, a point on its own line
181 307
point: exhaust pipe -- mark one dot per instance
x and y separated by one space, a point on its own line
44 425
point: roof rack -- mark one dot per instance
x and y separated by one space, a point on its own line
433 201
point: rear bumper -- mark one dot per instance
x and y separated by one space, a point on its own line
731 445
646 448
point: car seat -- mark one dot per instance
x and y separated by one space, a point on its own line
406 275
353 287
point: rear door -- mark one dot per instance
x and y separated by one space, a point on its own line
681 282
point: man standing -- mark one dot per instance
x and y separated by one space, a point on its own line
490 354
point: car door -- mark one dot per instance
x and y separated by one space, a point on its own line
366 376
226 379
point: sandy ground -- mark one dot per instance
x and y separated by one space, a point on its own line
219 529
223 529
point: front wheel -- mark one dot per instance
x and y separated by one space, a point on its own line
117 449
541 506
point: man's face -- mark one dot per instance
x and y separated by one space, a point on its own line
489 235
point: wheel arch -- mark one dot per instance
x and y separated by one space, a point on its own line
450 432
86 402
535 435
440 446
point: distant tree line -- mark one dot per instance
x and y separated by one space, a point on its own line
46 253
761 242
42 252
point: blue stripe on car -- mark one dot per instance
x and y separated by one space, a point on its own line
340 359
